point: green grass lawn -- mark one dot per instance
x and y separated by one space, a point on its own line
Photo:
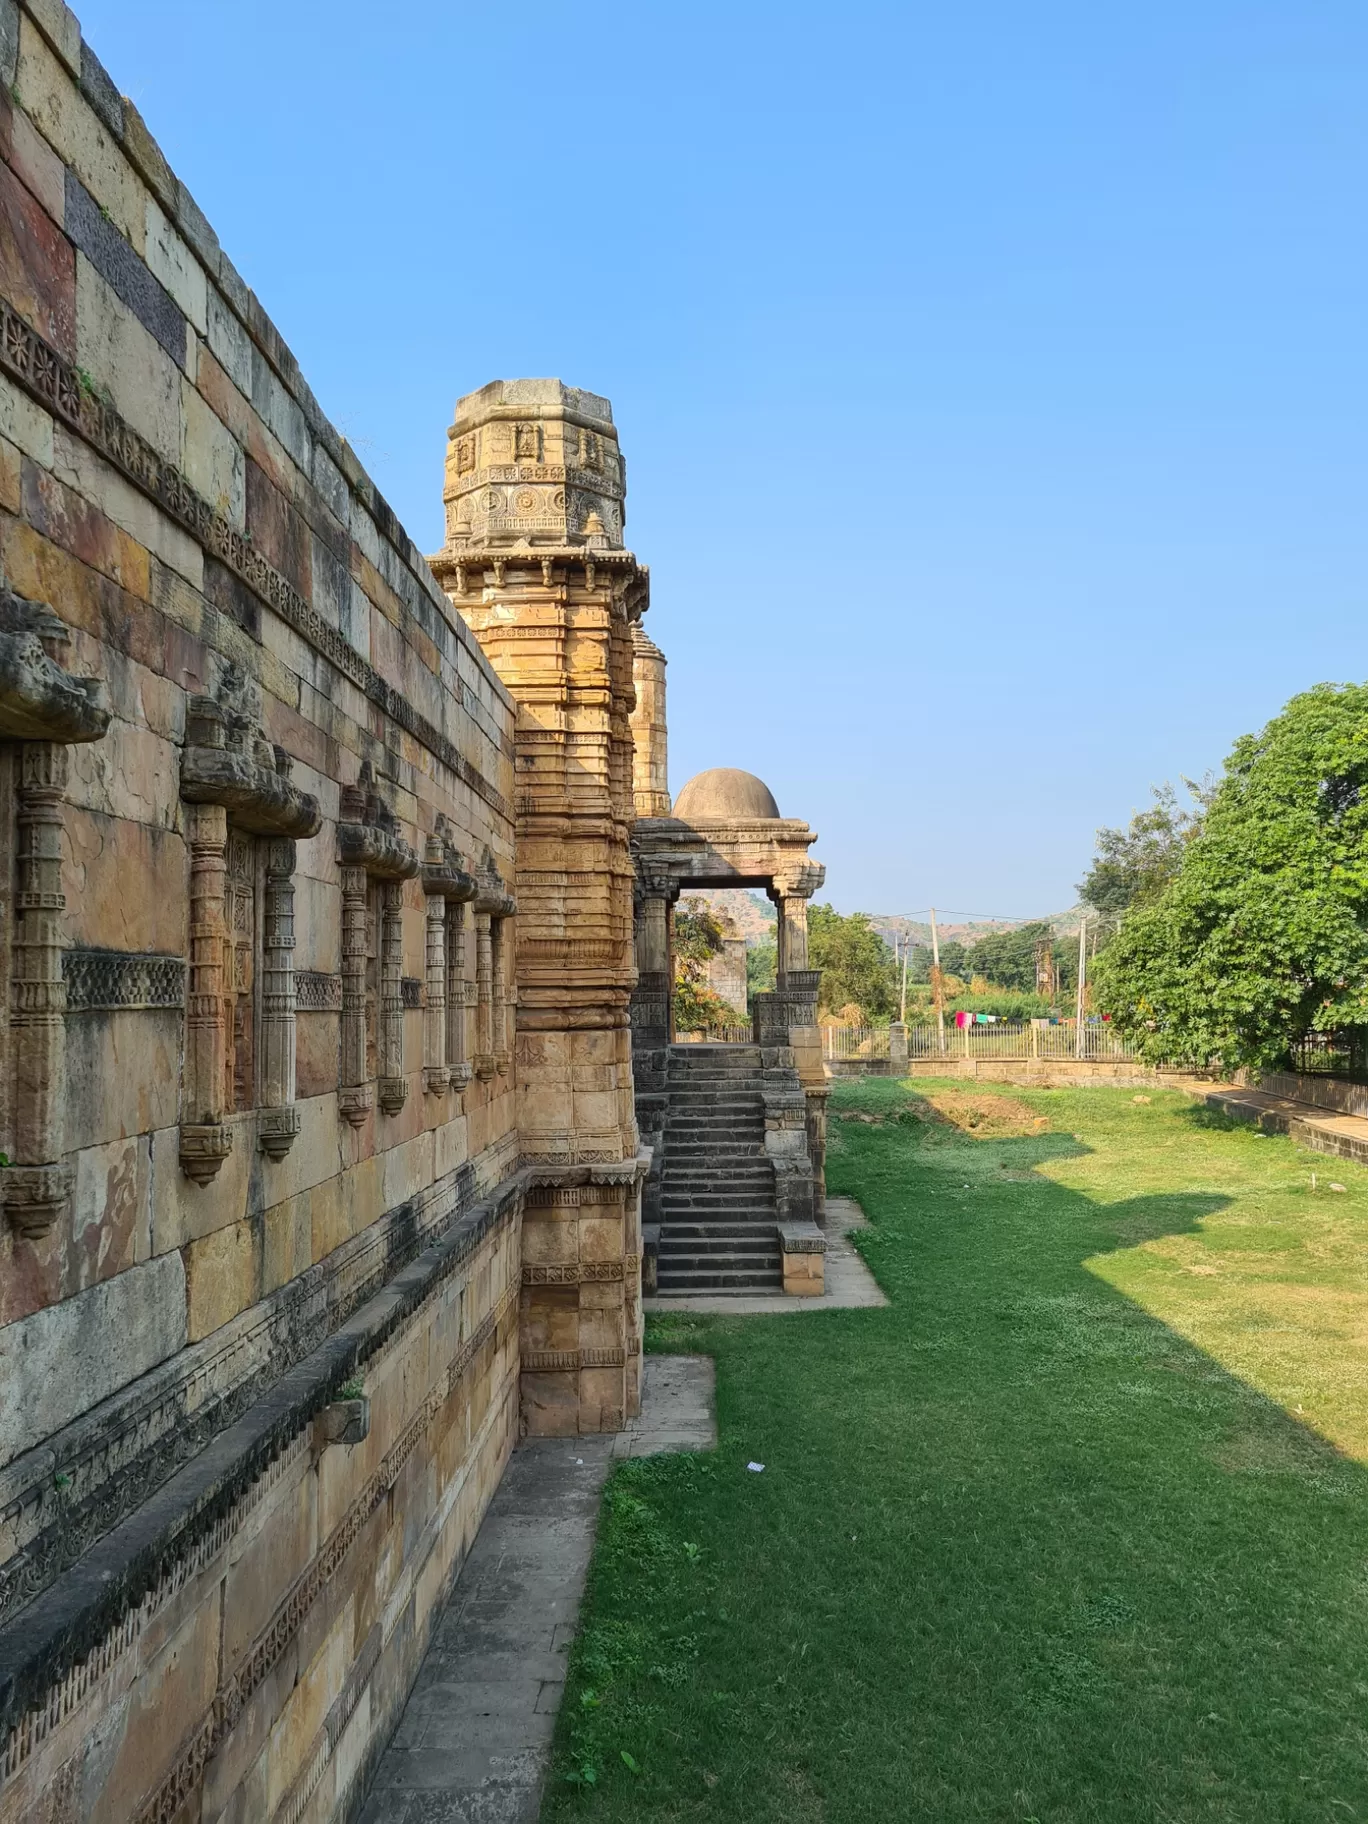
1076 1529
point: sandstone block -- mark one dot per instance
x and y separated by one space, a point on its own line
119 352
211 457
37 265
123 1074
61 1361
172 1696
550 1405
266 1560
176 269
223 1277
25 425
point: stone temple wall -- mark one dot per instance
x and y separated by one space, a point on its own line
260 1247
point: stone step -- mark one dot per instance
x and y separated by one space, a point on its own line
707 1230
717 1280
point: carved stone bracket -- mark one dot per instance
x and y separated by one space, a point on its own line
369 846
228 761
44 708
38 700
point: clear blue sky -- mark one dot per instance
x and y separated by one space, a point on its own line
992 378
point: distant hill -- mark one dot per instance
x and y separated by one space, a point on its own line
754 915
887 924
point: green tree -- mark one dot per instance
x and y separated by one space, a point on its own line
856 964
1007 959
1262 934
697 939
1134 865
762 966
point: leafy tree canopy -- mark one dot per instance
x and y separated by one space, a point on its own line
698 937
1136 864
857 965
1262 934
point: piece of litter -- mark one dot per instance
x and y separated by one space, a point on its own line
757 1467
1336 1187
580 1461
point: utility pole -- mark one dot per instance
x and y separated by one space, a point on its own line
902 1004
1082 986
936 987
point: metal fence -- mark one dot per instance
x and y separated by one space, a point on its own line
1006 1041
1332 1054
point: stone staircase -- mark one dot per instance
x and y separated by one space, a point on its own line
718 1216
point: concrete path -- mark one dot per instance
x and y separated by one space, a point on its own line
849 1283
474 1741
1322 1130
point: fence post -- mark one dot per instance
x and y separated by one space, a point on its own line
897 1049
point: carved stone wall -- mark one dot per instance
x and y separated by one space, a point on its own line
228 680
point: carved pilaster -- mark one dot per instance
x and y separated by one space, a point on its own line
279 1121
205 1139
393 1084
458 996
498 946
447 885
354 1098
435 1073
369 847
484 997
36 1187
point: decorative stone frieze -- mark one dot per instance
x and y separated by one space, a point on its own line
238 786
370 848
99 981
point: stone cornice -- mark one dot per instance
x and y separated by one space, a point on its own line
74 1617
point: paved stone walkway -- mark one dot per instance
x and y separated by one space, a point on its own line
473 1744
1323 1130
849 1283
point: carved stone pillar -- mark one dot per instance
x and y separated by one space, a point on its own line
393 1083
436 1074
279 1123
354 1097
793 933
231 776
499 993
447 886
43 708
369 847
36 1185
205 1137
484 997
458 997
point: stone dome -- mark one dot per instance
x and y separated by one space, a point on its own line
724 794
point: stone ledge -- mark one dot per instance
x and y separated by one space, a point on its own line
67 1622
801 1238
113 1456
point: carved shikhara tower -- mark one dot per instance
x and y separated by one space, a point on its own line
534 562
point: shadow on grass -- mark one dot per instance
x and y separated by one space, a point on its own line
1018 1551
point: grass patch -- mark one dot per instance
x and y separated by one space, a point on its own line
1073 1531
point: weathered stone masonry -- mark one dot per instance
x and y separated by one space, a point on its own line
261 1252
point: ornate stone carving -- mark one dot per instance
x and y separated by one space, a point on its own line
239 787
39 701
206 1140
447 885
317 992
369 846
119 980
228 761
